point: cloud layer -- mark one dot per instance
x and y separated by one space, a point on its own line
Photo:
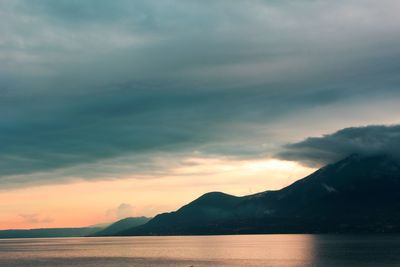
85 84
369 140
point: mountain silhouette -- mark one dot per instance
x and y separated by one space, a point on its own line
356 194
103 229
49 232
121 225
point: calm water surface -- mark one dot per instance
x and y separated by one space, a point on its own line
251 250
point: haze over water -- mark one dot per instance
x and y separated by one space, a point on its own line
251 250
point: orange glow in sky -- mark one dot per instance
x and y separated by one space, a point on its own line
84 203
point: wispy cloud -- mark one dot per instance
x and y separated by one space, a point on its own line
35 218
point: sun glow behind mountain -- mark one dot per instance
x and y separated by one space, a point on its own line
98 200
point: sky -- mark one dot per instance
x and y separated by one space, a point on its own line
111 109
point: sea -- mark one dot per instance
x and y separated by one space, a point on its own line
196 251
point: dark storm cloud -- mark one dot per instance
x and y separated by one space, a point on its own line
368 140
83 82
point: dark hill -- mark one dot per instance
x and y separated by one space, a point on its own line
357 194
49 232
122 225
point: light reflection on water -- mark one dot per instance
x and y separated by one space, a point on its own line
245 250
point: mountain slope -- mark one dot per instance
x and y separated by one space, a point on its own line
356 186
121 225
357 194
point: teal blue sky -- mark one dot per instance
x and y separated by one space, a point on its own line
95 88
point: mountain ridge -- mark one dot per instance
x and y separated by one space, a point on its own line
355 194
48 232
121 225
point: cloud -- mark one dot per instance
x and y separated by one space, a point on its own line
85 84
35 218
368 140
124 210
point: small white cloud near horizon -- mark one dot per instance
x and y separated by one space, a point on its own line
124 210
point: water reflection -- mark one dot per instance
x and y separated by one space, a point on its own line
364 250
240 251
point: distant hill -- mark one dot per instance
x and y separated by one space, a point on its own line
49 232
121 225
356 194
100 225
103 229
